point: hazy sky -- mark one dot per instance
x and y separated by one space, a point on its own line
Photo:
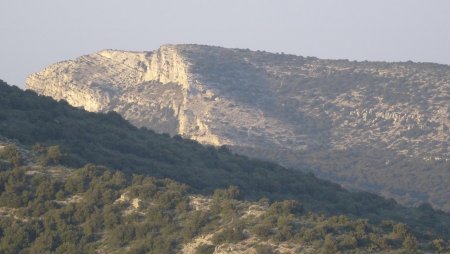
36 33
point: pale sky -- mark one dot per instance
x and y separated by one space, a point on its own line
36 33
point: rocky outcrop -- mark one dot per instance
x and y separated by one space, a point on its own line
287 108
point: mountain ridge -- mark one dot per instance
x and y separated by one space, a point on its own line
262 104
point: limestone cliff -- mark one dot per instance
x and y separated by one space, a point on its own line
282 107
148 88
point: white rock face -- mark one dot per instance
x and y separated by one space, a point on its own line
274 106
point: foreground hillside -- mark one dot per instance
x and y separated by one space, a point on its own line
107 139
383 126
48 208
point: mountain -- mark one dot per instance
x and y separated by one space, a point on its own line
47 205
109 140
375 126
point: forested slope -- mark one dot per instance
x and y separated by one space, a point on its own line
107 139
48 208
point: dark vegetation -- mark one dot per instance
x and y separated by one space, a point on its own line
74 137
373 170
80 213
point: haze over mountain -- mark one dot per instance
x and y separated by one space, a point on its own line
376 126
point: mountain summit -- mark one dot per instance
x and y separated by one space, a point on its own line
382 127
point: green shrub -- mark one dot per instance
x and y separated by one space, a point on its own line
349 241
12 155
231 193
205 249
263 229
410 244
329 245
264 249
229 235
52 156
438 245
